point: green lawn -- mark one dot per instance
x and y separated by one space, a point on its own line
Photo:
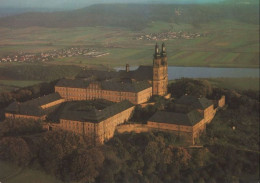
10 173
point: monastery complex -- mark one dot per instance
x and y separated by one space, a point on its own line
97 103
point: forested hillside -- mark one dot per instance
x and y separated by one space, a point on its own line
135 16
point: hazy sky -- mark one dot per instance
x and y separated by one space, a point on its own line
82 3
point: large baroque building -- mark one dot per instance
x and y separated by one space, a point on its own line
122 90
136 86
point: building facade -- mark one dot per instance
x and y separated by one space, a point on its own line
136 86
78 89
97 126
188 126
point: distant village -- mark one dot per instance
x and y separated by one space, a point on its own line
51 55
164 36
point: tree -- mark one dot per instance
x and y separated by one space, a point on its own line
54 146
198 88
201 180
15 149
17 127
150 157
85 165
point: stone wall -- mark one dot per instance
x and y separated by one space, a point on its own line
186 136
222 101
137 128
168 126
146 104
198 129
184 132
209 113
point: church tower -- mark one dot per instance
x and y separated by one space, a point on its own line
160 71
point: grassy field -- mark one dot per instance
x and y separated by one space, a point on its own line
10 173
227 44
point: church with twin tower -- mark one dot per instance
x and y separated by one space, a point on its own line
136 86
160 71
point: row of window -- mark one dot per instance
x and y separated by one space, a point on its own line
63 90
83 97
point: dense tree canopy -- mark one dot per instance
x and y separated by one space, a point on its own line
198 88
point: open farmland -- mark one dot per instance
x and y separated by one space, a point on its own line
225 38
219 48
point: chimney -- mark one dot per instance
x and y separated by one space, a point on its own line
127 68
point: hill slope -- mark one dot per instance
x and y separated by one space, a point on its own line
134 16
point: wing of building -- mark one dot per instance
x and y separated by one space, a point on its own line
96 125
186 125
79 89
187 103
36 109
